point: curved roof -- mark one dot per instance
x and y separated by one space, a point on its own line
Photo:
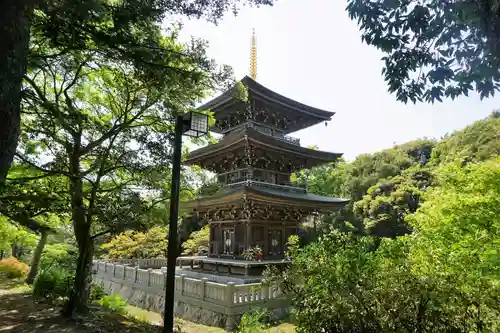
272 97
241 135
267 195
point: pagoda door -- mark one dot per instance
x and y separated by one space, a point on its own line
228 241
275 244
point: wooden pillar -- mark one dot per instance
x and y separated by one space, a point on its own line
283 241
266 241
249 235
233 240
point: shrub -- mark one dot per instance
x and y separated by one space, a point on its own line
198 242
253 321
13 268
114 302
54 283
97 292
57 282
59 255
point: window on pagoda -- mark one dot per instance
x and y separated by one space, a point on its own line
275 244
228 241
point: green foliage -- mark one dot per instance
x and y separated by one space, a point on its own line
54 283
97 292
433 49
442 278
114 302
209 188
7 231
458 237
198 242
13 268
132 244
253 321
386 186
352 180
478 141
240 92
387 203
59 255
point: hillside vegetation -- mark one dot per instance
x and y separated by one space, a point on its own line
387 185
423 251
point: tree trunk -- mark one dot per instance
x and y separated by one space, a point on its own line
14 29
16 251
78 299
37 255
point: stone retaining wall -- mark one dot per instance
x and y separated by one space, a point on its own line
197 300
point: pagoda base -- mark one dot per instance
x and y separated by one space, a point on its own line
250 270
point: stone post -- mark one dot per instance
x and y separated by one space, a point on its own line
204 288
265 292
164 284
231 318
124 271
183 276
149 276
114 269
136 268
230 294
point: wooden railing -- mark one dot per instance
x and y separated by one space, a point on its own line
271 131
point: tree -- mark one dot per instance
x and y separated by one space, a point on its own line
433 49
457 232
385 206
479 141
105 127
444 277
132 244
15 18
104 26
353 180
198 242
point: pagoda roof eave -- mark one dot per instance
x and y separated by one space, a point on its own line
268 196
261 139
271 96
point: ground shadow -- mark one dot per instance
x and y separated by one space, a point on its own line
21 313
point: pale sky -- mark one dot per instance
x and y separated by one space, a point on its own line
312 52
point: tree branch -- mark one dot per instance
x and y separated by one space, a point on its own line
25 221
49 105
102 233
52 172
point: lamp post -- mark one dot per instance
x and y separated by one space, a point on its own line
193 124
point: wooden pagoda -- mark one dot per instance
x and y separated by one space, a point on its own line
258 206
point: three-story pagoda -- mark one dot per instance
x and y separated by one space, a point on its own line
258 206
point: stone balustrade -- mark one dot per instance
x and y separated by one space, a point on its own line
225 301
144 263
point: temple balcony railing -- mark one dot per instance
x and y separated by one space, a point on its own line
259 177
291 187
269 130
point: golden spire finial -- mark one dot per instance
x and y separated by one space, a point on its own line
253 57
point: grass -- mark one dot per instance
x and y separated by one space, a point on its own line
190 327
14 286
144 316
